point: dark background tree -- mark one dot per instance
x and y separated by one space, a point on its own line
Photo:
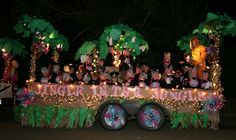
161 22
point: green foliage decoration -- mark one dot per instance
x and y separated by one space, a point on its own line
40 30
123 37
52 116
186 120
223 24
12 46
86 48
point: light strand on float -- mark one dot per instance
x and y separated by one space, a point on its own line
33 64
55 56
214 35
7 58
95 60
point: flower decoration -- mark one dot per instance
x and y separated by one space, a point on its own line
24 96
212 104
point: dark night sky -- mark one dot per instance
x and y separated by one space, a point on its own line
161 22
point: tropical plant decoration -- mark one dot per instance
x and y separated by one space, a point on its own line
184 42
86 49
121 37
44 37
214 27
223 23
217 24
10 48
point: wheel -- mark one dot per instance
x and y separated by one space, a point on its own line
113 117
150 117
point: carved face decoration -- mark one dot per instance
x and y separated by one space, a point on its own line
169 70
15 64
205 76
89 60
126 52
56 68
130 74
156 75
167 58
142 76
79 75
178 73
94 76
66 77
68 69
193 72
103 76
101 62
194 42
144 68
45 71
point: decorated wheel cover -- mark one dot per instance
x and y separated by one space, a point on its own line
113 117
150 117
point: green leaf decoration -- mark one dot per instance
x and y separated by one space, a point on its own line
222 23
59 40
205 31
73 113
195 119
174 120
14 47
82 114
230 25
90 117
60 116
115 33
184 42
50 113
211 16
30 114
122 38
185 119
86 48
38 116
205 120
38 25
17 110
30 26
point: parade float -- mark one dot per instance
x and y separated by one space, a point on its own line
79 104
